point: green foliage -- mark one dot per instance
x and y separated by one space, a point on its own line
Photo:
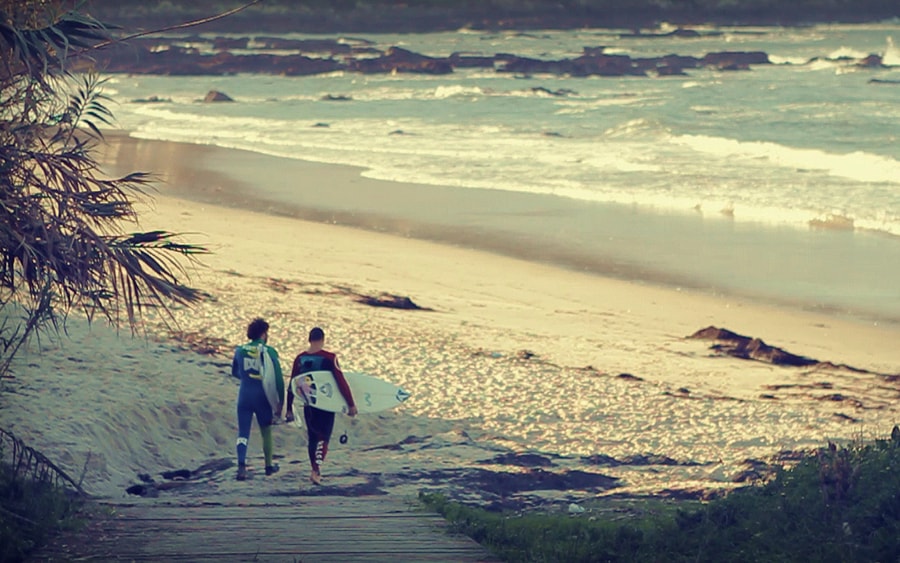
64 243
840 504
37 499
30 512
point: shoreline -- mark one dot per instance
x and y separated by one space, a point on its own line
681 251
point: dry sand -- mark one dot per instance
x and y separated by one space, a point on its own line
516 357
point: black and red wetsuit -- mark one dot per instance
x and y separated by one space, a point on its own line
319 423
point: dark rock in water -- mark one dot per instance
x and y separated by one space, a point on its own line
331 46
881 81
555 93
872 61
401 60
747 348
735 60
593 51
227 43
462 60
321 124
681 33
667 70
151 100
216 96
338 98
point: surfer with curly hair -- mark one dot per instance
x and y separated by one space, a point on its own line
319 423
252 362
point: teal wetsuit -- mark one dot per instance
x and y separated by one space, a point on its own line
252 397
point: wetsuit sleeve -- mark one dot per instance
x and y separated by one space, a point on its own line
342 383
295 369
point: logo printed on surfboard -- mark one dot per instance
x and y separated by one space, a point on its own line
320 389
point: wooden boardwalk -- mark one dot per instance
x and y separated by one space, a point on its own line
316 529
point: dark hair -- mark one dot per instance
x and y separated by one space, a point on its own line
257 328
316 334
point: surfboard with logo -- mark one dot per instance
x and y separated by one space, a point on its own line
371 394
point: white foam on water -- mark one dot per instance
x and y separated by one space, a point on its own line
657 143
787 60
857 165
847 53
577 107
825 64
456 90
891 55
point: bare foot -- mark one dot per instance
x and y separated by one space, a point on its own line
315 477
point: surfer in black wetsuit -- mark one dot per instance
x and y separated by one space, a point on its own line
319 423
252 399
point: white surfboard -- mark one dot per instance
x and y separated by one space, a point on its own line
270 379
319 389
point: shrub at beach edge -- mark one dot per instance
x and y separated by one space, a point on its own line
839 503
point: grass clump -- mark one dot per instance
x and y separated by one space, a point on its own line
37 499
837 504
30 512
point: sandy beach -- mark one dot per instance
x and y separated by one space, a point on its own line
593 375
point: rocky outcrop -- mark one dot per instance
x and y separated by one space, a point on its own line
401 60
872 61
740 346
390 301
216 96
735 60
681 33
200 56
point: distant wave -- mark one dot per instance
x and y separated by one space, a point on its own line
847 53
891 54
860 166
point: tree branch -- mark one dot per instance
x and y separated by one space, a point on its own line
184 25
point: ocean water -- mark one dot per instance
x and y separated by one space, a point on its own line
781 182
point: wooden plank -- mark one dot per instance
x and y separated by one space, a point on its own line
400 557
341 530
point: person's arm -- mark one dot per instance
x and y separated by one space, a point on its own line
295 369
344 387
